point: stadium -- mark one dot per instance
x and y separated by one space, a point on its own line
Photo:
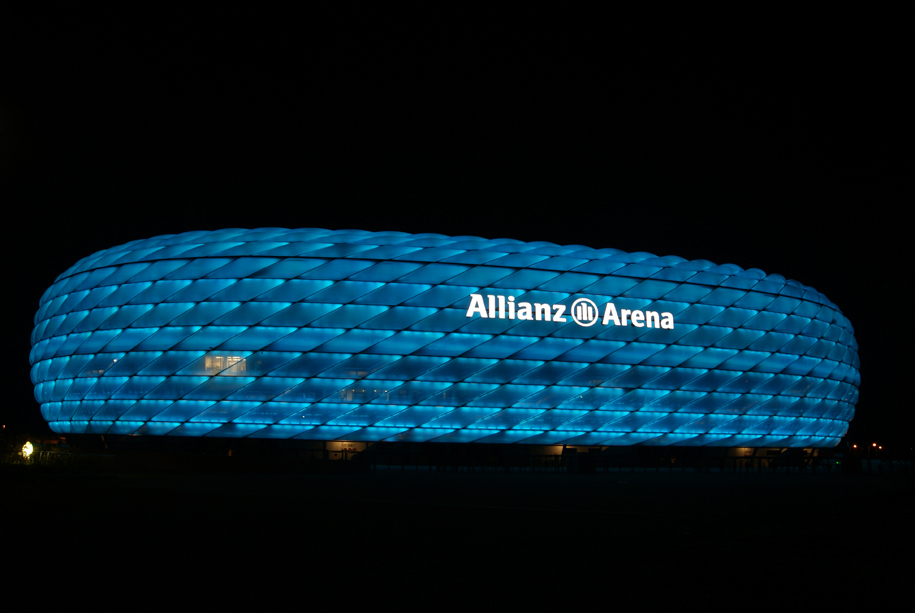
364 337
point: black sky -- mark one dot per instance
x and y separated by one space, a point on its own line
798 165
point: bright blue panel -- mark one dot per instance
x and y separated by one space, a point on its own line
393 293
175 387
337 269
245 289
199 290
405 342
165 338
217 388
313 390
124 317
288 268
294 290
453 344
399 318
389 271
137 387
208 338
343 291
310 364
348 316
739 338
196 269
241 268
204 313
250 313
299 314
442 296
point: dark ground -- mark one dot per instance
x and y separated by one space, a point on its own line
829 527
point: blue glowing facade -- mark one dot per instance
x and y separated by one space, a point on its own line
374 336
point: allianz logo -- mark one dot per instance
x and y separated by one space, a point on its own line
583 312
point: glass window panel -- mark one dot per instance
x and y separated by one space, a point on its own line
259 363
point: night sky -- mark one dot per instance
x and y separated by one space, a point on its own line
799 166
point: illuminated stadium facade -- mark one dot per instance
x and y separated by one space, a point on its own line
384 336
